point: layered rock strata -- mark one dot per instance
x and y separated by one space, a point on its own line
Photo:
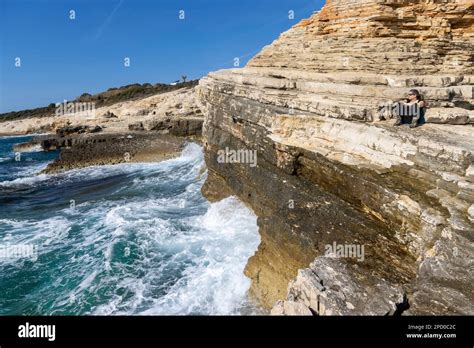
329 173
174 112
148 129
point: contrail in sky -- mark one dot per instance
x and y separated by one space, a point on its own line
108 20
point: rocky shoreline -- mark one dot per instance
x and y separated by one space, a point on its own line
168 112
116 148
92 149
330 173
153 128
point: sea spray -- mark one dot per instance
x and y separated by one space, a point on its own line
139 239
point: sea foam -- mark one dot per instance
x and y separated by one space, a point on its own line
149 244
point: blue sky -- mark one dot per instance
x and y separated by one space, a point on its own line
63 58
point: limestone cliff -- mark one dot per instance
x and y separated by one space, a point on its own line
329 173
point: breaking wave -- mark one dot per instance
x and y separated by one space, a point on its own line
135 239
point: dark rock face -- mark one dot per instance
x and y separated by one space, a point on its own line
185 126
109 114
137 126
297 218
68 130
327 174
99 149
96 129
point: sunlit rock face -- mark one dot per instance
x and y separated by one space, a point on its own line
329 173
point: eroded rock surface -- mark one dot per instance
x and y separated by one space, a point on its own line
83 150
174 112
329 172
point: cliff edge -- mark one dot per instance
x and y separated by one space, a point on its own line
329 175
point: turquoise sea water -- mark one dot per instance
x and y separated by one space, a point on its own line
125 239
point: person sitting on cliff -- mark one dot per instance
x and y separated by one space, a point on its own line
413 107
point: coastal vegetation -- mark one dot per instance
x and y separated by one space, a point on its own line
109 97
